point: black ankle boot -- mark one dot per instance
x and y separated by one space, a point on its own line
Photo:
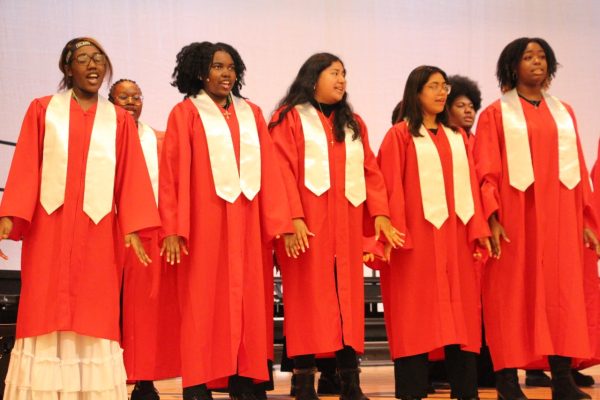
563 385
198 392
582 380
144 390
507 385
329 383
350 384
304 384
537 378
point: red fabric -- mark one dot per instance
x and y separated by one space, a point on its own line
221 282
313 316
533 296
70 274
592 281
430 288
150 314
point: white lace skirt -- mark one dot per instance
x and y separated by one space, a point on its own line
66 366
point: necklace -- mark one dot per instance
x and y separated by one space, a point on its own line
328 124
225 111
535 103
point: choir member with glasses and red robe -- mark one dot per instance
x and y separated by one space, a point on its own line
429 286
536 197
150 319
77 178
332 181
221 196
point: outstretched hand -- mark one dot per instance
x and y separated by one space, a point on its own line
393 235
172 247
133 240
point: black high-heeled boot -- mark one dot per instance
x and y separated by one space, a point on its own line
350 384
198 392
304 384
144 390
507 385
563 385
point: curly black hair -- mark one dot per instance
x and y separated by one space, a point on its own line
411 109
510 57
193 65
302 91
463 86
111 98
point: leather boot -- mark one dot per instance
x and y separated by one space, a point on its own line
507 385
329 383
350 384
582 380
537 378
144 390
304 384
198 392
563 385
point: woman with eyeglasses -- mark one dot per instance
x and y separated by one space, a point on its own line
536 192
332 182
429 287
150 319
220 196
78 159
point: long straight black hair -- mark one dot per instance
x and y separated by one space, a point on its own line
411 109
302 91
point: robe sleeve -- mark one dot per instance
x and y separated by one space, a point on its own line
595 178
477 227
284 137
391 160
590 217
274 208
21 193
174 174
377 201
488 162
134 196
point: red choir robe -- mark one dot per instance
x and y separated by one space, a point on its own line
69 266
314 309
591 279
221 282
533 295
430 288
150 313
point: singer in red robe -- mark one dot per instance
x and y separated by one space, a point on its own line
150 320
221 282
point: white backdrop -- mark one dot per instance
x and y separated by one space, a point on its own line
380 42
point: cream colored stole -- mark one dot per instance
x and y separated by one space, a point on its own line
431 178
228 182
101 160
518 152
316 158
150 148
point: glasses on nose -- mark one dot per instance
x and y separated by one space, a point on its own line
439 87
136 98
84 59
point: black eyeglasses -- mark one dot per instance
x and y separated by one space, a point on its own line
84 59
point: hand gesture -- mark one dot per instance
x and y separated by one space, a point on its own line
497 233
302 233
172 246
133 240
393 236
6 226
482 243
591 241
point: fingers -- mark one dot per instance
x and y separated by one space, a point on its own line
184 247
387 252
477 255
368 257
504 236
